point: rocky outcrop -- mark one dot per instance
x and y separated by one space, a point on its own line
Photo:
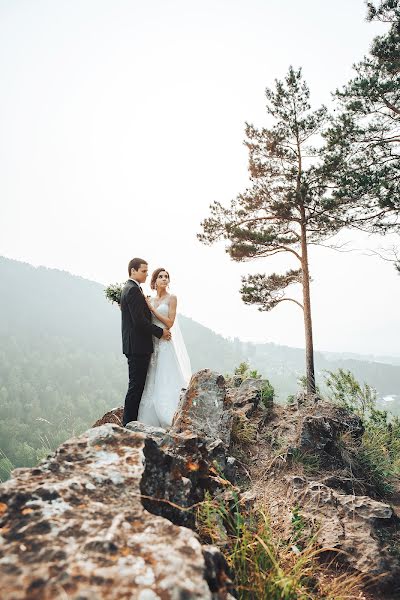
112 416
318 428
181 464
248 396
76 527
322 431
204 408
300 459
111 514
349 523
179 468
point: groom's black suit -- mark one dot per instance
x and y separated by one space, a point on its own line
137 344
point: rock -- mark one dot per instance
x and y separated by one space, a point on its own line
180 463
230 469
364 531
249 395
111 514
75 526
321 434
178 470
204 409
322 431
305 399
349 523
216 570
237 380
317 432
155 433
112 416
345 485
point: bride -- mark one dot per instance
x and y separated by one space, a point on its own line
169 369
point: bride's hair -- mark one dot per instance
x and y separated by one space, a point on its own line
155 275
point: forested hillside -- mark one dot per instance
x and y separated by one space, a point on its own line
61 365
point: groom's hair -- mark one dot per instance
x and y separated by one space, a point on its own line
135 264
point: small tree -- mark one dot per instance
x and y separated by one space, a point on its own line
286 208
362 155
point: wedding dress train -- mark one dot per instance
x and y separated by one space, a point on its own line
169 372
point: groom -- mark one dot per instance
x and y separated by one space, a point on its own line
137 336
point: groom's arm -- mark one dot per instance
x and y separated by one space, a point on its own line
135 303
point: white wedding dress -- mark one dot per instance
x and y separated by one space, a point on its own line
169 372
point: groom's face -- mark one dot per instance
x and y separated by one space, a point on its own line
141 274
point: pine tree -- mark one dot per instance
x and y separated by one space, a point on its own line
286 208
362 156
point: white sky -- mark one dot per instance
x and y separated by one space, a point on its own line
121 121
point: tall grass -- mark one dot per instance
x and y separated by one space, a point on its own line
264 565
376 460
6 466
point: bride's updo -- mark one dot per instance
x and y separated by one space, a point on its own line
155 275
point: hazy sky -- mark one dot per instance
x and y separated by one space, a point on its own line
121 121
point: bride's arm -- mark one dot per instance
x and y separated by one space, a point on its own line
168 321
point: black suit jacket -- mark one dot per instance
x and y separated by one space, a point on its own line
137 328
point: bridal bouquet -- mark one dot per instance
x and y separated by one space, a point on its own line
113 292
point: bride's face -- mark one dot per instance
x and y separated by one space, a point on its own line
162 280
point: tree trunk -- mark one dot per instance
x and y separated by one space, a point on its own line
307 312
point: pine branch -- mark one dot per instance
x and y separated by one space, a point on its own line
268 292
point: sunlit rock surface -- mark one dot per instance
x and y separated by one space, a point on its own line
75 527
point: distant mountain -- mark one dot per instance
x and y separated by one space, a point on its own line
386 359
61 365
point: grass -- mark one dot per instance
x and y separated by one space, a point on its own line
266 566
375 460
244 432
309 460
6 466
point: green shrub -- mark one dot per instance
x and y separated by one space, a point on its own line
376 461
267 393
346 391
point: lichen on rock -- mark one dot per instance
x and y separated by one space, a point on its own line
71 528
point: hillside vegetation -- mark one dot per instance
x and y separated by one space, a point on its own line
61 364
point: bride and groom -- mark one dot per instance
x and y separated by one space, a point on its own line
159 366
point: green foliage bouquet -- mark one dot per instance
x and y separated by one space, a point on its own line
113 292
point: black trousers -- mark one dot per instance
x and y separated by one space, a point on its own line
138 365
